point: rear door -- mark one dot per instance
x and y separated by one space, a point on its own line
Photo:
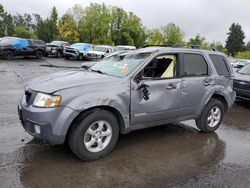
196 82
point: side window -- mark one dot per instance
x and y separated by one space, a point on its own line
193 65
162 66
220 64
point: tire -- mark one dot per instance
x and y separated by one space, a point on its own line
80 57
9 54
211 116
59 54
87 131
66 57
39 54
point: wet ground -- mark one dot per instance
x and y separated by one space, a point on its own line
174 155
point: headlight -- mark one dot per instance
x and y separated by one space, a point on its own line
46 101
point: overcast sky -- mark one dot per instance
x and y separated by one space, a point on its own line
210 18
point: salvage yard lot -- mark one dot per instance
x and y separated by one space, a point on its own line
170 155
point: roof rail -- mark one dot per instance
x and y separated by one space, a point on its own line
193 46
160 45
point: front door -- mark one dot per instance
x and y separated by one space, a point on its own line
157 95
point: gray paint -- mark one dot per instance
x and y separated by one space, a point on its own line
82 90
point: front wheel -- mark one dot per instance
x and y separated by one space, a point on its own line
39 54
211 117
94 136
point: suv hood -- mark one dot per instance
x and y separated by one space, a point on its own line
96 52
68 79
243 77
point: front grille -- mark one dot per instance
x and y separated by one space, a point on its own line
92 55
241 84
28 96
69 50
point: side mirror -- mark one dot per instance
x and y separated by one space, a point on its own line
138 78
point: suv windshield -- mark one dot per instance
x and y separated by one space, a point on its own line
57 43
245 70
119 66
7 41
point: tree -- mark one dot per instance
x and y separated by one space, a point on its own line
217 45
248 46
172 34
47 29
77 12
23 32
235 41
68 29
155 37
95 25
6 23
197 40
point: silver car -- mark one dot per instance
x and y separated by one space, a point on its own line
142 88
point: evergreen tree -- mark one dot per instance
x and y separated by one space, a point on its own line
235 41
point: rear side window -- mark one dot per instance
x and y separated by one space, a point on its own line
220 64
193 65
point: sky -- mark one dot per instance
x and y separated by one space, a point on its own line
209 18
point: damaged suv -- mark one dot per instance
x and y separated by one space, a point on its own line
11 47
139 89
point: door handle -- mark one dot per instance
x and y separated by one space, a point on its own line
170 86
207 82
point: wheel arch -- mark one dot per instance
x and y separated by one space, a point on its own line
88 111
222 99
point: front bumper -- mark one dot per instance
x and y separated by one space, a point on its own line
53 122
242 93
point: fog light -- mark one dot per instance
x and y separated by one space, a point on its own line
37 129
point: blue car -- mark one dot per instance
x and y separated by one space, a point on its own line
77 50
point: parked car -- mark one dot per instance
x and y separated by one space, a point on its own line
146 87
240 63
13 46
77 50
99 52
56 48
87 65
242 83
123 47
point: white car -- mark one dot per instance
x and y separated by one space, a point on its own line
123 47
99 52
240 63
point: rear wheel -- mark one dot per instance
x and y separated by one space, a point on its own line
211 117
9 54
59 54
39 54
94 136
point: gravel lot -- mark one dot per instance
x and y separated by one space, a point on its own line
175 155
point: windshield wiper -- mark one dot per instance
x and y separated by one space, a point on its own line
98 71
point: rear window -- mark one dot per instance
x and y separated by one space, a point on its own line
220 64
193 65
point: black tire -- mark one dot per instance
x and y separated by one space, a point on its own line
203 123
9 54
80 57
66 57
39 54
102 56
59 54
78 134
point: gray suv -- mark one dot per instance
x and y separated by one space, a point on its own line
139 89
